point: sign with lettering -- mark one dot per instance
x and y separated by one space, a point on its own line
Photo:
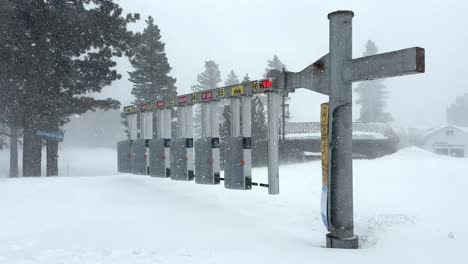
182 100
130 109
324 143
237 90
143 107
255 87
206 96
161 104
51 135
221 92
266 84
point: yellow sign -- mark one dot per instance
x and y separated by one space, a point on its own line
194 97
221 92
171 101
130 109
237 90
324 129
255 86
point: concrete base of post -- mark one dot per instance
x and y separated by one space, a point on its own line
345 243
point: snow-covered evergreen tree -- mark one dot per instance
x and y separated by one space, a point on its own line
225 125
58 54
209 78
150 76
457 111
274 64
232 79
372 95
277 64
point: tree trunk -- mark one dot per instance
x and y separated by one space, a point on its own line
52 158
32 153
13 152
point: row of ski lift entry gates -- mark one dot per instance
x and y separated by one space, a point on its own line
181 157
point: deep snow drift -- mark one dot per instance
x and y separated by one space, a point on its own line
409 207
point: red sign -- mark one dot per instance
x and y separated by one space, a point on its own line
266 84
161 103
182 100
207 95
143 107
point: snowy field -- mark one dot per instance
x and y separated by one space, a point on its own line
411 207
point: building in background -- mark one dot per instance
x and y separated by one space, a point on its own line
446 140
370 140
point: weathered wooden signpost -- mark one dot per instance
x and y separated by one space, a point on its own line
331 75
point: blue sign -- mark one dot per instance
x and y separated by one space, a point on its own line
56 136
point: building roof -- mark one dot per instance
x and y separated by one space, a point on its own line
465 129
433 130
361 130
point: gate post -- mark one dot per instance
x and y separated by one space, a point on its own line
273 137
207 147
340 201
189 141
246 102
167 124
157 167
215 142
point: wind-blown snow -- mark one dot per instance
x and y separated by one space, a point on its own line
410 207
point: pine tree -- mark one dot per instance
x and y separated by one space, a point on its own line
10 85
225 125
456 112
274 64
372 95
232 79
60 52
246 78
151 68
259 130
209 78
3 133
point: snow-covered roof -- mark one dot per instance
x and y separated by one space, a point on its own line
433 130
465 129
361 130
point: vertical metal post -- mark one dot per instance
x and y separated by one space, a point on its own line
189 137
147 125
160 124
247 135
167 124
340 198
147 132
273 137
235 117
214 123
283 115
206 120
181 122
133 126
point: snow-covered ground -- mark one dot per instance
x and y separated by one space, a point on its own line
411 207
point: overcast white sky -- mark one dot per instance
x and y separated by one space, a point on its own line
243 34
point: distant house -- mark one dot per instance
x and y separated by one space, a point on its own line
447 140
370 140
